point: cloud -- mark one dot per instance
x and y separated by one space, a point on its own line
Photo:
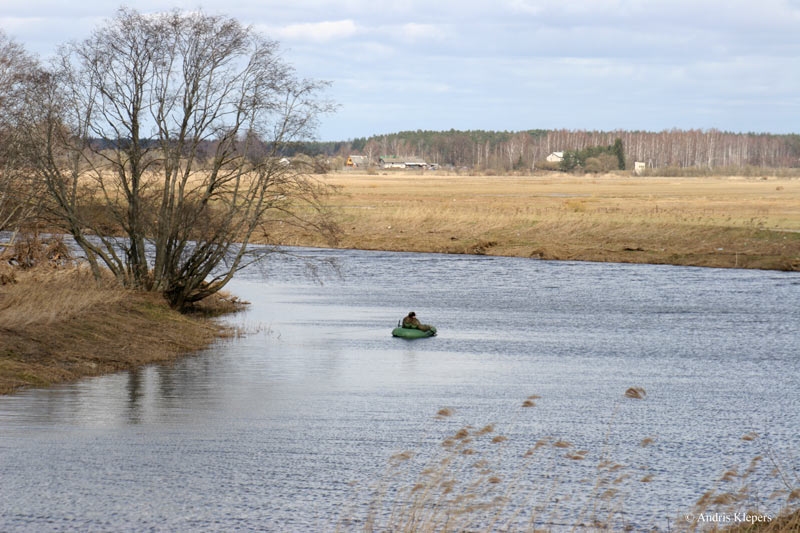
414 32
317 32
510 64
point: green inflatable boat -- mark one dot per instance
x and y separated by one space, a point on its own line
413 333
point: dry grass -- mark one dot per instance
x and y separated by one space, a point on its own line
723 222
737 222
59 325
785 523
47 296
637 393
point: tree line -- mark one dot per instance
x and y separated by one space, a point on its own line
526 150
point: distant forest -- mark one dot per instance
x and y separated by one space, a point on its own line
526 150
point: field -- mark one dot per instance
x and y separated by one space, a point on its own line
718 222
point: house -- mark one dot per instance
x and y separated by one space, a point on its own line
393 161
415 162
555 157
357 161
639 167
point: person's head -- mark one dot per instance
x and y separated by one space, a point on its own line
412 314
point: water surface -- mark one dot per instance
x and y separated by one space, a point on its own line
291 427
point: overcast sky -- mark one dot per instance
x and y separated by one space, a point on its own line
507 64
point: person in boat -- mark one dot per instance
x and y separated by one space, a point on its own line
411 322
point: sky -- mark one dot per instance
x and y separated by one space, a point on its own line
506 65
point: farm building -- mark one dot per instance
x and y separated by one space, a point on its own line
393 161
555 157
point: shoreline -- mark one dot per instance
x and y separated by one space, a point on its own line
55 329
709 222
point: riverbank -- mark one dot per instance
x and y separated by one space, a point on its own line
729 222
55 328
57 325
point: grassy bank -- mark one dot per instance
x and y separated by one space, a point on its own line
703 221
58 325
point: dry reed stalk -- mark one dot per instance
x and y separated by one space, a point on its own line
472 491
647 441
459 493
444 412
742 501
637 393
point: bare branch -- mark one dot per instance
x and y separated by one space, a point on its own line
124 147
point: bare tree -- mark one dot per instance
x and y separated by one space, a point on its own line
19 74
122 137
371 150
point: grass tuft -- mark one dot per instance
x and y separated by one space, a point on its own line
60 324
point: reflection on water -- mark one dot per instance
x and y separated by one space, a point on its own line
291 427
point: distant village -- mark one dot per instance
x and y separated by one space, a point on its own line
674 151
418 163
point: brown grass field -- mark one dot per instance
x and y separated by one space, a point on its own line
48 319
716 222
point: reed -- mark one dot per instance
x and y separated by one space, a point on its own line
735 502
467 485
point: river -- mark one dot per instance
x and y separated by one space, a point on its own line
297 423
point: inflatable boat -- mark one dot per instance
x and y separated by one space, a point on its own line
412 333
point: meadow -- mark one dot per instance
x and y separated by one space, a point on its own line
733 222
